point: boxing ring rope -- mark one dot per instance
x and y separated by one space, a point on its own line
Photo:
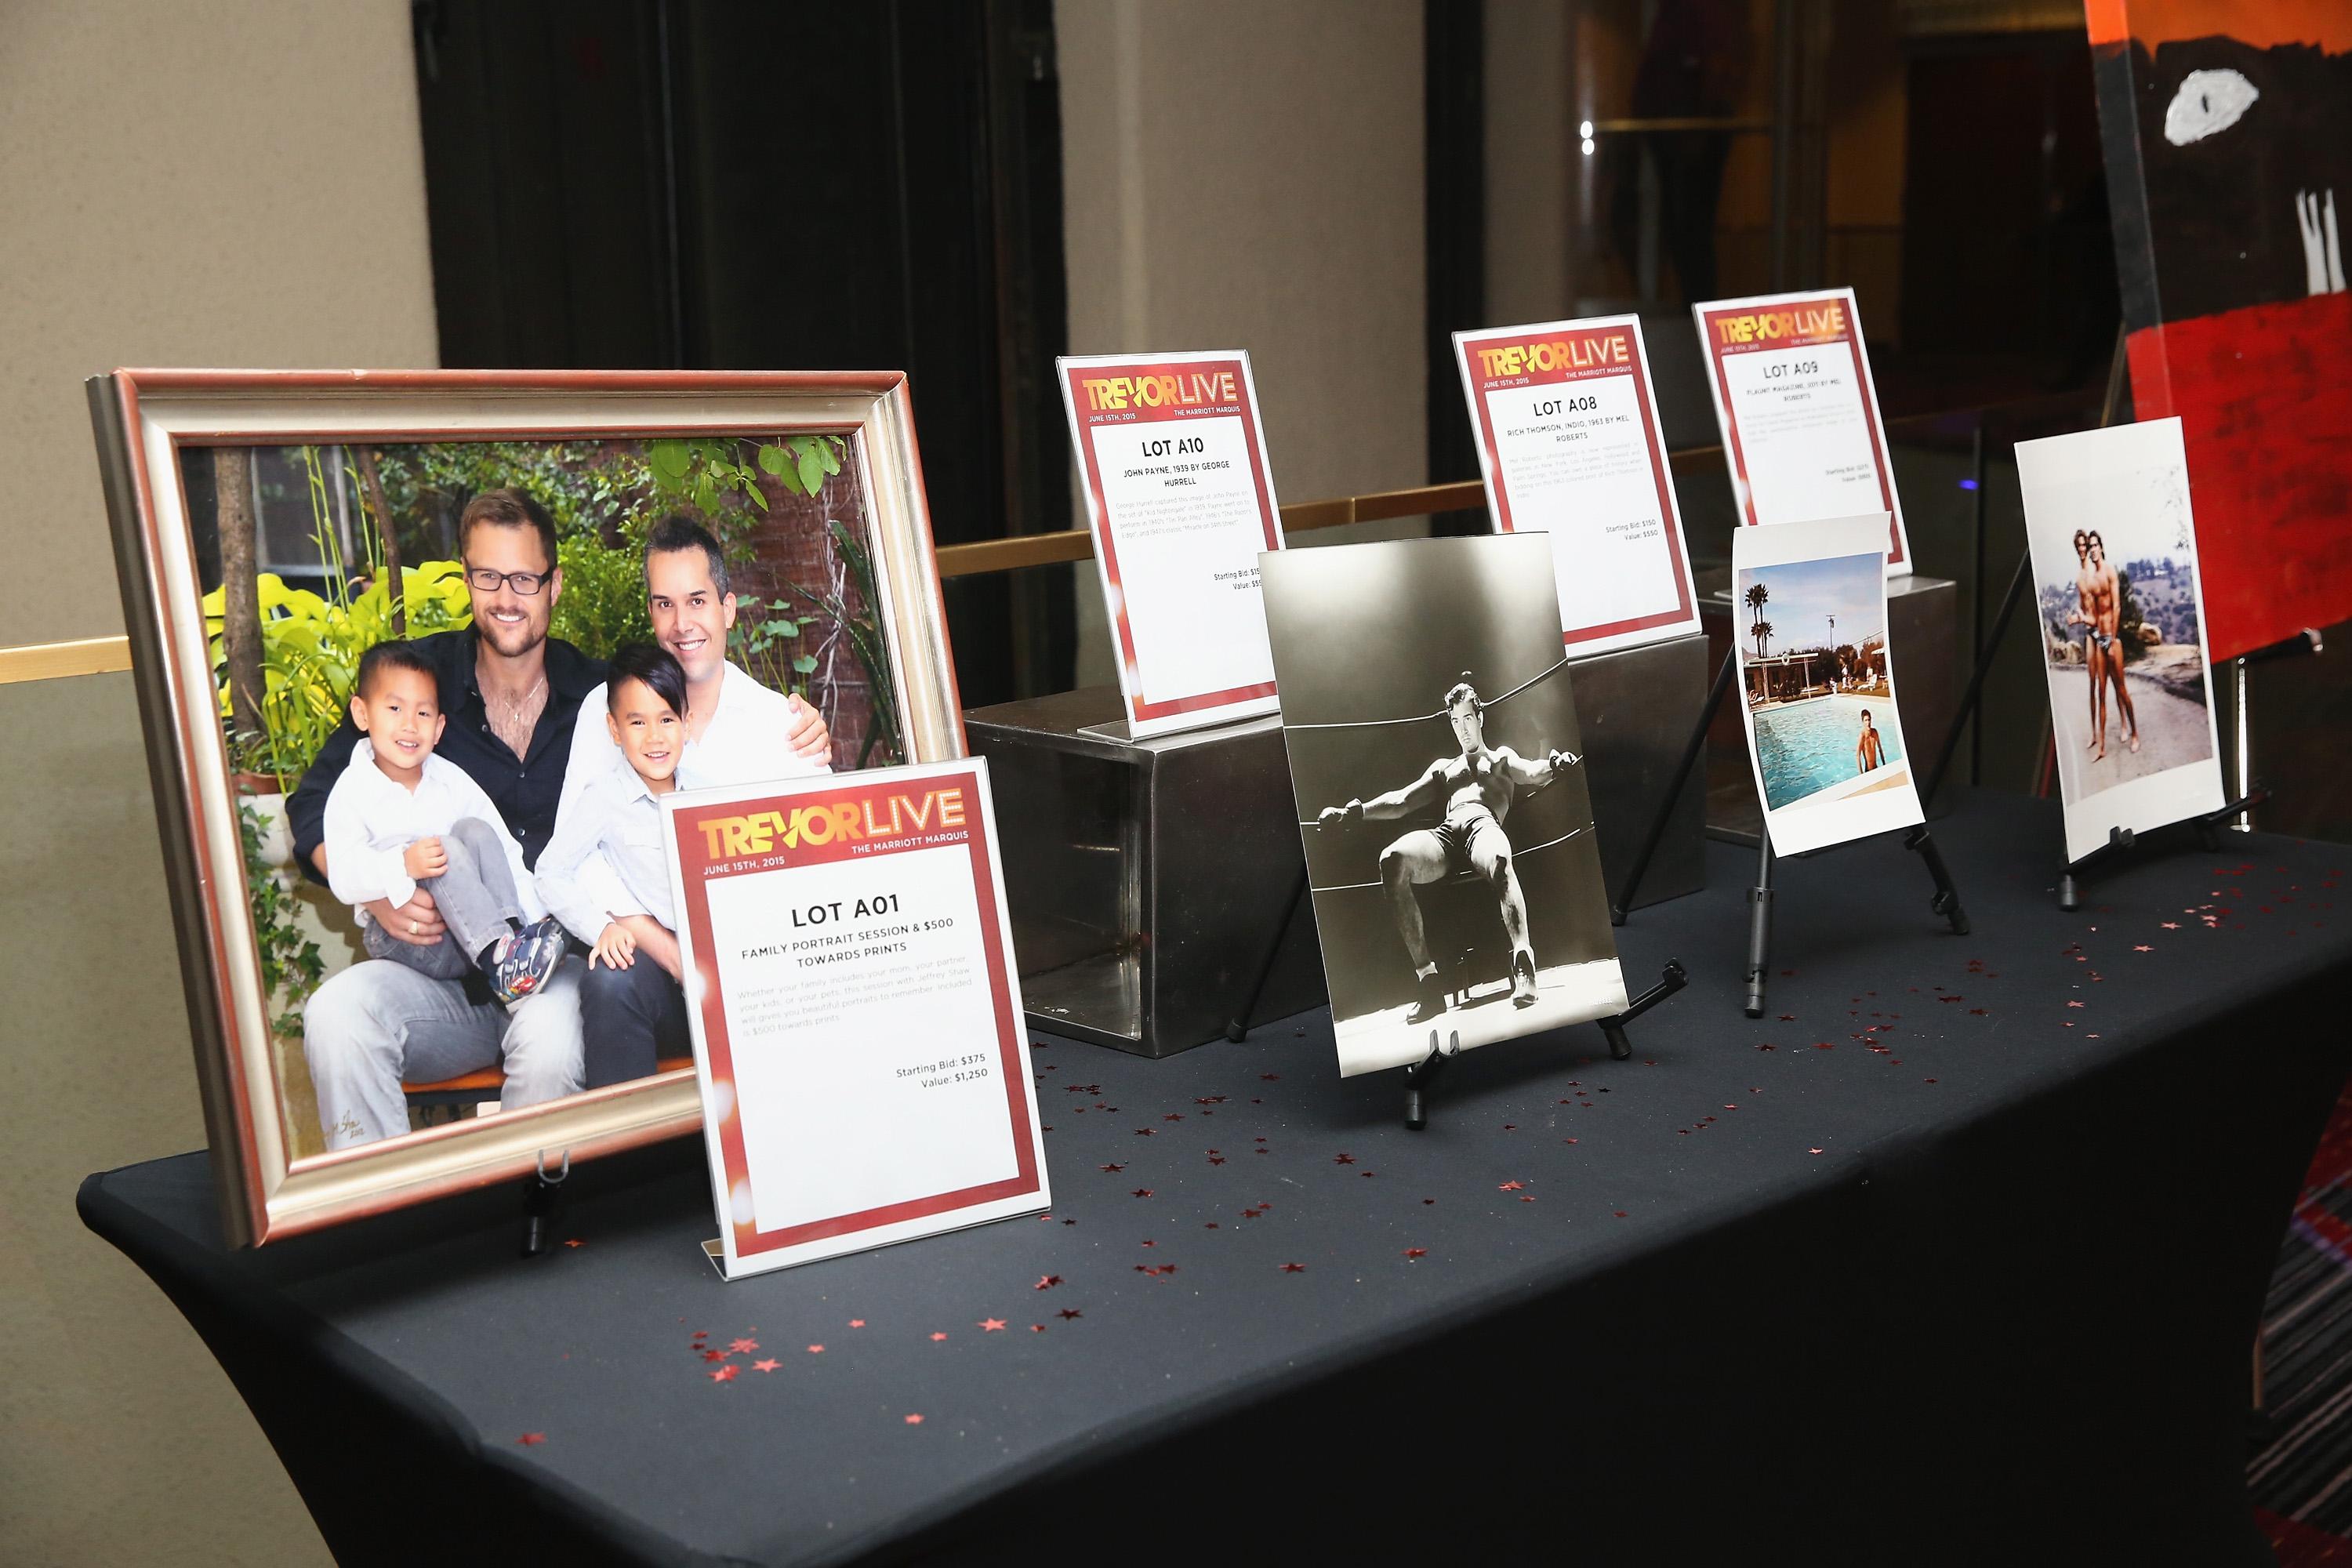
1353 887
1439 713
1424 718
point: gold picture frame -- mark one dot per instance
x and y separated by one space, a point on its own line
145 421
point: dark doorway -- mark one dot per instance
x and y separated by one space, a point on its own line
690 184
2005 242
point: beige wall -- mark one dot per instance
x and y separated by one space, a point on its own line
1531 147
188 183
1247 173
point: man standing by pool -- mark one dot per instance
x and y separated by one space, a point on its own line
1869 752
1478 787
512 694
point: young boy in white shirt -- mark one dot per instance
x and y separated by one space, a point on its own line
617 816
400 818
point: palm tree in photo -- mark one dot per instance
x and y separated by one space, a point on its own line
1762 632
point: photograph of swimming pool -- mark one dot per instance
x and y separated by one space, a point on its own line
1817 678
1807 746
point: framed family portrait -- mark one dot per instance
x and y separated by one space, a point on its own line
417 656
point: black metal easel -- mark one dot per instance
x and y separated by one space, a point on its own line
539 1196
1946 901
2208 826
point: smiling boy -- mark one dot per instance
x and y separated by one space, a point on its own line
400 818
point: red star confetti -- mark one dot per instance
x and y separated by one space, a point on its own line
856 1322
725 1374
1048 1282
1293 1269
936 1338
1815 1151
2143 947
914 1421
742 1347
1416 1252
1114 1169
1268 1077
990 1325
1036 1328
532 1439
1171 1116
714 1355
1068 1313
1216 1159
767 1364
1143 1132
1343 1159
2073 1004
1510 1186
817 1350
573 1241
1620 1213
1143 1192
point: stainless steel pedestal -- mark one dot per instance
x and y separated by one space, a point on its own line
1145 879
1635 709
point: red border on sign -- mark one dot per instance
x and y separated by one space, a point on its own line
695 863
1637 367
1087 421
1718 351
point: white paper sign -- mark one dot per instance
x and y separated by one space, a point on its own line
2122 615
1568 444
1181 499
1799 413
856 1016
1817 682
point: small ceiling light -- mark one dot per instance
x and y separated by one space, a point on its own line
1587 146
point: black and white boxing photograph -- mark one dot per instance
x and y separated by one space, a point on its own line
1442 799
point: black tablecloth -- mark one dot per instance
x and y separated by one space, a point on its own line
1956 1256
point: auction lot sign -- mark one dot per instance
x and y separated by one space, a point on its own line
1569 445
855 1013
1181 500
1799 411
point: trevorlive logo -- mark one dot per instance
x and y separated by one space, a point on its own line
1191 389
725 836
1557 353
1804 323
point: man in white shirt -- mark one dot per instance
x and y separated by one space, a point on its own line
738 733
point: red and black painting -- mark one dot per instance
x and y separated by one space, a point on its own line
2228 128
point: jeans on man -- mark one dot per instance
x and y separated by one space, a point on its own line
629 1019
474 894
379 1022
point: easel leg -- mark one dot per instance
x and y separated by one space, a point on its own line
1238 1025
1759 927
1947 901
1612 1028
1421 1076
539 1196
1691 750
